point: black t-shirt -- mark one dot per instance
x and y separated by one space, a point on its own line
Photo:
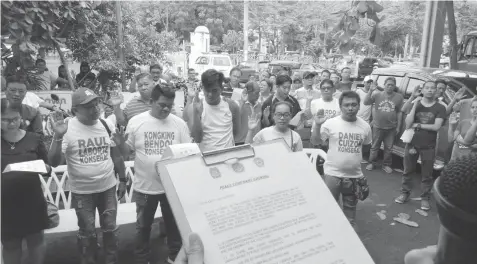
427 115
23 205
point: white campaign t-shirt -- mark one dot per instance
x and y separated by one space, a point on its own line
345 143
88 157
331 108
217 125
364 110
149 137
271 133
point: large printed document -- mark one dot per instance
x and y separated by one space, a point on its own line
270 207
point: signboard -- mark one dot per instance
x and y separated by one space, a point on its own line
64 102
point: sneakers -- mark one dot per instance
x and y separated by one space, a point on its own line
370 167
402 198
425 205
387 169
363 161
169 261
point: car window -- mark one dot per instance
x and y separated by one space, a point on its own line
382 78
411 85
471 48
221 61
202 60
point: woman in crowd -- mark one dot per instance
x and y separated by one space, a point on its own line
282 114
463 132
24 209
266 87
63 74
273 79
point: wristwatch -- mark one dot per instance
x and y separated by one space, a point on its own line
418 127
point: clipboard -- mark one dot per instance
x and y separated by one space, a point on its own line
194 193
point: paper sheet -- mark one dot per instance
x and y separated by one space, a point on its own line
296 119
255 212
27 166
237 94
181 150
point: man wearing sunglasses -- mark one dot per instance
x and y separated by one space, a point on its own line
148 134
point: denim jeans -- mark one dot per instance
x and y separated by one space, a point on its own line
385 136
85 206
344 186
427 166
146 206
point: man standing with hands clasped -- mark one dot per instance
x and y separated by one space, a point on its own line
149 134
346 135
426 117
93 160
387 120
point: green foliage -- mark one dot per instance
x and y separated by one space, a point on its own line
233 40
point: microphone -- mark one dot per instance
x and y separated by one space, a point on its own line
455 192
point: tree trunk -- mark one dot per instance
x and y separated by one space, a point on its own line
452 34
406 46
259 39
65 63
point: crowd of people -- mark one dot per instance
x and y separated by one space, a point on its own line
313 110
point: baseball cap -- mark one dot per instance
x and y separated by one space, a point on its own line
367 79
82 96
308 74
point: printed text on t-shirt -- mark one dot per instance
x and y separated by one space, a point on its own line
156 142
93 150
350 142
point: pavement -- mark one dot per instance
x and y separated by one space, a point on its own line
386 240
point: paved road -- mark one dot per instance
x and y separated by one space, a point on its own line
386 243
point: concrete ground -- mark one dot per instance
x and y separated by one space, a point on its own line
386 242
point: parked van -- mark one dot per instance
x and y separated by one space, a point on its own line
219 62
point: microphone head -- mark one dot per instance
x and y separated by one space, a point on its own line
456 197
458 183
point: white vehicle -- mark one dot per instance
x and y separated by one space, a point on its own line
219 62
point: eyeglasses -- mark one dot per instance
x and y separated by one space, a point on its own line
282 115
11 120
326 88
162 105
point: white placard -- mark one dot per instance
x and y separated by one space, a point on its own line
27 166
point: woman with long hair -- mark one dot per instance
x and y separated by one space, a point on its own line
282 114
24 209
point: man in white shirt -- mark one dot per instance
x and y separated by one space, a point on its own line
305 95
322 109
346 135
213 121
92 160
148 134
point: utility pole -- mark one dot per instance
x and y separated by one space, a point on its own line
432 35
245 30
119 21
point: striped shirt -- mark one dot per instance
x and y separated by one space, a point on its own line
136 106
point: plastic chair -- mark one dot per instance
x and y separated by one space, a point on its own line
314 153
